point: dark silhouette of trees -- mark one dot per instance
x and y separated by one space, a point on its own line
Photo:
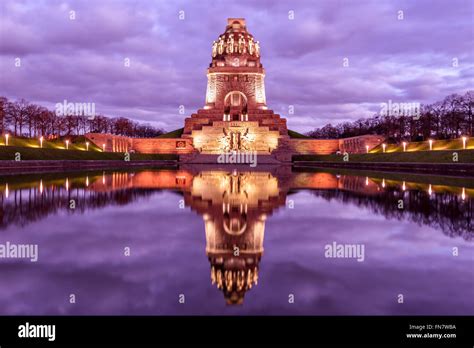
22 118
447 119
444 211
3 105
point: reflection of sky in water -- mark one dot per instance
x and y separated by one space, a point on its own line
83 254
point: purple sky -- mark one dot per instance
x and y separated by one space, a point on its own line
82 60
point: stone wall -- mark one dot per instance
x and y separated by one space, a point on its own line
250 84
264 141
328 146
314 146
111 143
359 144
116 143
178 146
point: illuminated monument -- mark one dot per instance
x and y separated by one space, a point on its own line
235 116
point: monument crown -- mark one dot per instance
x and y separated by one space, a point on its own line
235 76
236 41
236 22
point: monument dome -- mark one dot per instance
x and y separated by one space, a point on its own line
235 78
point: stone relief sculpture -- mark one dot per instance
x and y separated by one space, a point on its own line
236 140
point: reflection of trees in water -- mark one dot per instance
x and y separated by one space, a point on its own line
25 206
442 210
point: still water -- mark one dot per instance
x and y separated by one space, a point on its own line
218 241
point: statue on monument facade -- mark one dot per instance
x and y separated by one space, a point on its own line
214 49
220 45
241 44
251 46
230 44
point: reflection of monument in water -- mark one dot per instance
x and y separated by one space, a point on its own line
234 207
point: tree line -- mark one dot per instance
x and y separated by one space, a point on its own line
450 118
21 118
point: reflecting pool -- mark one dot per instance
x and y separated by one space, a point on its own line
204 240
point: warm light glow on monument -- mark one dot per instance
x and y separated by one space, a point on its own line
235 117
464 139
41 141
211 90
431 144
6 138
404 146
235 67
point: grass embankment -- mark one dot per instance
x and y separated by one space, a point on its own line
30 149
438 145
440 156
29 153
75 143
296 135
173 134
